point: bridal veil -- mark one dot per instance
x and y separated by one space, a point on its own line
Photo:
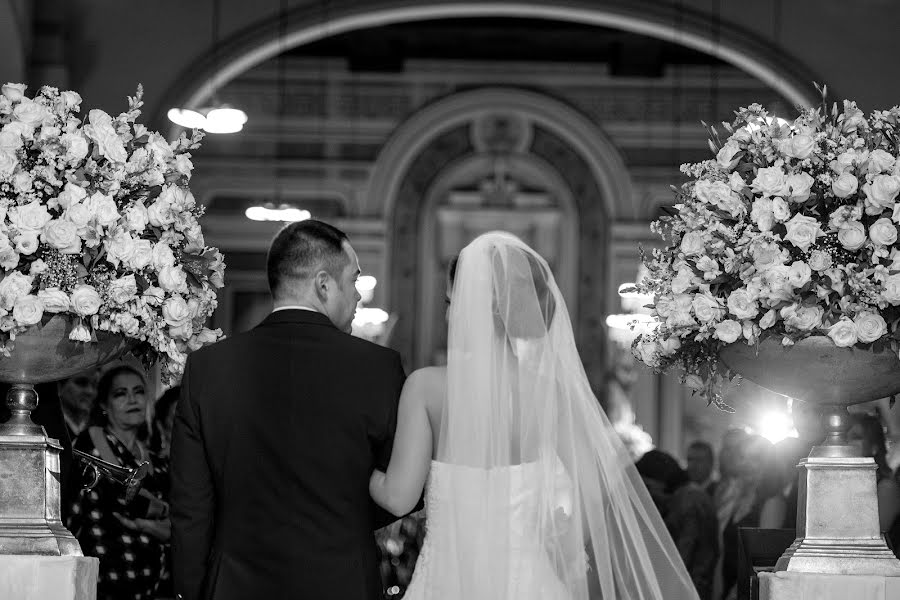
518 398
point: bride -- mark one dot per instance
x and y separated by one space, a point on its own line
530 494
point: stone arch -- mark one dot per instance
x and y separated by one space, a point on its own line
306 24
438 137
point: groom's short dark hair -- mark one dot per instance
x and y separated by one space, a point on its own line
303 248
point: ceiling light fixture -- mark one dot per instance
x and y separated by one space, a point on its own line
284 213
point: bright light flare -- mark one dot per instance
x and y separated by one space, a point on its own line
775 426
263 213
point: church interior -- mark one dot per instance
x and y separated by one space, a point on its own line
415 126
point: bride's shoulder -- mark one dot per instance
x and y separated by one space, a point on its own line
428 377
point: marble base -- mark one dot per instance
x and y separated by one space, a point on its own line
787 585
48 577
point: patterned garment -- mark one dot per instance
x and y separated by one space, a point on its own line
133 565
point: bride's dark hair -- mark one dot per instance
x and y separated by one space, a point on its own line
540 277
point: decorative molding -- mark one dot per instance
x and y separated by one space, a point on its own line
676 24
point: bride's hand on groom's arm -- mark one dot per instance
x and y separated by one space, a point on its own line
399 489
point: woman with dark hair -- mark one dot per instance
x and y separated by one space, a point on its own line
129 539
867 433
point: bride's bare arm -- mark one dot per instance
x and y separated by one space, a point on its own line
398 490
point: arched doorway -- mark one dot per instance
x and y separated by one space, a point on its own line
488 159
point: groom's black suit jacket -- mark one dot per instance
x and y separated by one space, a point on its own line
276 434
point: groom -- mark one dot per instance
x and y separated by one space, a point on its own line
276 434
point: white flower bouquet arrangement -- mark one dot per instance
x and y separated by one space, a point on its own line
790 232
97 222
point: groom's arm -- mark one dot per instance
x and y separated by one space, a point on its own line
192 496
394 387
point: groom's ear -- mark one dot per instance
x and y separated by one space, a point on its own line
321 281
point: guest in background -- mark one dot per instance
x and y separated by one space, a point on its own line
689 515
129 539
759 504
77 397
700 462
867 433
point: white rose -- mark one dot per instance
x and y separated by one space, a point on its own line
37 267
154 296
54 300
23 182
880 162
844 162
869 327
30 112
10 141
683 281
852 236
109 144
709 266
182 332
880 193
667 346
162 256
71 194
780 209
802 231
742 305
136 217
103 209
706 308
742 135
175 311
729 331
804 318
799 274
800 185
801 146
160 213
70 99
27 243
80 333
843 333
209 336
141 256
770 181
726 154
8 162
768 319
891 292
762 214
120 248
31 217
736 182
49 133
845 185
883 232
12 287
28 310
647 352
62 235
173 279
85 300
123 289
183 164
9 258
693 242
128 324
21 129
14 91
76 146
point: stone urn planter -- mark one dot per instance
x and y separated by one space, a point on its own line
29 460
837 512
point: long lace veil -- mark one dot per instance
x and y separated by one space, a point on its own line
537 467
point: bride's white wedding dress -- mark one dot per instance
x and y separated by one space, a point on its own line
529 572
573 521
